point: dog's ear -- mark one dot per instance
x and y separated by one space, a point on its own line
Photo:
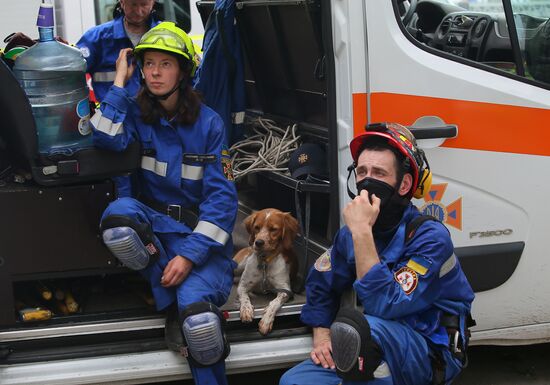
249 225
290 230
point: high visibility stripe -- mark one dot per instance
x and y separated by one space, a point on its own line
191 172
482 126
447 265
104 76
359 113
151 164
212 231
238 117
382 371
106 125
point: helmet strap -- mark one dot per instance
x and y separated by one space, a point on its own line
162 97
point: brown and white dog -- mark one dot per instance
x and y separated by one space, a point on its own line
268 264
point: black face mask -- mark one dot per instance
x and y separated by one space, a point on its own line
392 205
381 189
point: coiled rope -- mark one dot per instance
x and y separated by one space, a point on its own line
268 149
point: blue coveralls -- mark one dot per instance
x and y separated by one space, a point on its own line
100 47
184 165
403 298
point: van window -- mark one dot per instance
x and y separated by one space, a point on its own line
514 40
171 10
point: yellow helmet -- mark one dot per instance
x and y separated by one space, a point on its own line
168 37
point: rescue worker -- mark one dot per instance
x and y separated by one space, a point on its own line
401 264
101 44
176 229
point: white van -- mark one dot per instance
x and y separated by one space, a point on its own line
471 79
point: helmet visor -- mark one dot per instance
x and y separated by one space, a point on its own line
163 38
402 137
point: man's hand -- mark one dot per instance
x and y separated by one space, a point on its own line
124 67
360 214
176 271
322 348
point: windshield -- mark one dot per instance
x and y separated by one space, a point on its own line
536 8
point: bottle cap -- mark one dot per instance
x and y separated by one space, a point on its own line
45 15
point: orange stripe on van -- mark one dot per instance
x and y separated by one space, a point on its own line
481 126
359 113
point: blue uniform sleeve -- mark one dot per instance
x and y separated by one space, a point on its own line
112 126
218 210
328 278
413 284
91 48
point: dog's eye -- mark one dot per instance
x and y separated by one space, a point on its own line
273 229
256 228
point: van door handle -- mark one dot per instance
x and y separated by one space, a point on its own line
439 132
433 127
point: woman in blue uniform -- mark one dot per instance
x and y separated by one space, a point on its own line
176 227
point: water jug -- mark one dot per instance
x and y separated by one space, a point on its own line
53 75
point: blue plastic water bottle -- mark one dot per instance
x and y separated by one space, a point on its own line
53 75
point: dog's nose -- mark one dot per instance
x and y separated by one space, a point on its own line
259 243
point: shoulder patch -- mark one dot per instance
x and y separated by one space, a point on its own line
419 264
322 264
85 51
226 164
407 279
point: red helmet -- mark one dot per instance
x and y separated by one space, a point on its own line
403 140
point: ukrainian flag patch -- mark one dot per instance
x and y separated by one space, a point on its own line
419 264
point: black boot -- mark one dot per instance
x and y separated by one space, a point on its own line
173 335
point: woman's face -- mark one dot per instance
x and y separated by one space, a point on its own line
162 72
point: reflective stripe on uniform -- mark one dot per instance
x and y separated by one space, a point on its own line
151 164
238 117
212 231
382 371
447 265
104 76
191 172
106 125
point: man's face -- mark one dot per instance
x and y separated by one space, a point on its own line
377 164
136 12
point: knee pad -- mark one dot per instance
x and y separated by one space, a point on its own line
129 241
355 354
203 328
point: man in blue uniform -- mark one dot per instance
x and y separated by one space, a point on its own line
416 299
176 228
100 45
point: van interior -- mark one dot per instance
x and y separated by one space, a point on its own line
52 255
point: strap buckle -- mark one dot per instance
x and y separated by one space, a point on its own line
174 212
455 342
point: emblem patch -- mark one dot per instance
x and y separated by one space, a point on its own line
407 278
419 264
226 164
85 51
227 168
322 264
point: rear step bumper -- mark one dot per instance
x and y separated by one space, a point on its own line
147 367
120 326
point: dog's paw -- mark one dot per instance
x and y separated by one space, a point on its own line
247 313
265 326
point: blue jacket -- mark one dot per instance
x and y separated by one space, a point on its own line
100 47
220 76
184 165
414 282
